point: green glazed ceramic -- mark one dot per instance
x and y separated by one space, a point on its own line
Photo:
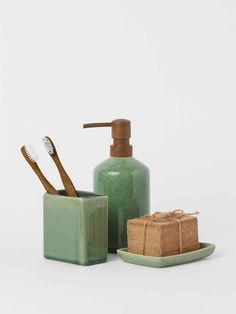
75 228
205 250
125 181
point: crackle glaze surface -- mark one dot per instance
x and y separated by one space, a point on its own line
125 181
75 228
205 250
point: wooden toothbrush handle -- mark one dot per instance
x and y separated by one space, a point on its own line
69 186
47 185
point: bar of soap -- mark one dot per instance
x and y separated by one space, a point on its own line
162 237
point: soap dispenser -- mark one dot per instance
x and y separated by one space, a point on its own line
125 181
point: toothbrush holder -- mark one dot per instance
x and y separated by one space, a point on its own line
76 228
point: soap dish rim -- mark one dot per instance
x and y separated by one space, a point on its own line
206 249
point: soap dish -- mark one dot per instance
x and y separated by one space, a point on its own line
205 250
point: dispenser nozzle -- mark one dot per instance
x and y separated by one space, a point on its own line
97 125
120 133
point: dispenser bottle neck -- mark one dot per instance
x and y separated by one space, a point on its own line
121 148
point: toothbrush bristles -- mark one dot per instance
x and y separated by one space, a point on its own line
48 145
31 153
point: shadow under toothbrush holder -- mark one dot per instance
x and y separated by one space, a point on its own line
76 228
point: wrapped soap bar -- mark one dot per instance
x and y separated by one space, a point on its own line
163 233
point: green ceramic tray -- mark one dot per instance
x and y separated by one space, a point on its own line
205 250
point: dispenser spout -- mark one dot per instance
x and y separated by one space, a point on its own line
121 133
97 125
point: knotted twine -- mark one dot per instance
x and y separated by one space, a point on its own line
174 215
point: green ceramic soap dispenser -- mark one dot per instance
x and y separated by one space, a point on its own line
125 181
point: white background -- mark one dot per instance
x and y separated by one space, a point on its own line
169 67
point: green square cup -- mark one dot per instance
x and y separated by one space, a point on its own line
75 228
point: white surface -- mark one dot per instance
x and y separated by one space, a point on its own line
169 66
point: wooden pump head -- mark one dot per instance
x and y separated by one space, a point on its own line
121 133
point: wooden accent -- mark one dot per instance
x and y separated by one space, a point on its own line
97 125
47 185
69 186
121 133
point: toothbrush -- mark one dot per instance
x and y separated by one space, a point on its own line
31 157
51 149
